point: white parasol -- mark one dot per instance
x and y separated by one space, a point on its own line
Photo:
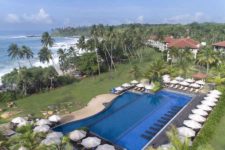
215 92
200 82
134 82
91 142
186 132
140 85
189 80
54 135
199 112
213 99
77 135
213 95
184 83
209 103
179 78
174 82
18 120
54 118
43 128
194 85
105 147
43 122
126 85
197 118
51 141
192 124
204 107
119 88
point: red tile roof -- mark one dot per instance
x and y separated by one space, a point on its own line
183 43
168 39
199 76
221 44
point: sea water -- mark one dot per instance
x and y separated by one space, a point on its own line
34 42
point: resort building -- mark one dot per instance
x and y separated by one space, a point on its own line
182 43
154 42
219 46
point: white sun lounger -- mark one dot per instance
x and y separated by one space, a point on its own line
171 85
191 89
181 87
185 88
176 86
197 90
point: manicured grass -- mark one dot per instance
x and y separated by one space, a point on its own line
218 138
79 93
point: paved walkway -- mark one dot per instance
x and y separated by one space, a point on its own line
93 107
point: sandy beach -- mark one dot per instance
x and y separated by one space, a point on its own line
93 107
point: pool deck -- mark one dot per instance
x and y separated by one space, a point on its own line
161 137
93 107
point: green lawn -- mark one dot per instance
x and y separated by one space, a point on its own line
79 93
218 138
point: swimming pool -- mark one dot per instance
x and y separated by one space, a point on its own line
132 119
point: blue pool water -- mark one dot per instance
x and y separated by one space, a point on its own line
130 115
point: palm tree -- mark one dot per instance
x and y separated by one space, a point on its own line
47 40
177 144
45 55
81 43
15 53
94 34
62 59
156 70
135 72
207 57
27 53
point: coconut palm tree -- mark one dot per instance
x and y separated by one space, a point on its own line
177 144
45 55
27 53
62 59
81 43
15 52
156 70
207 57
94 36
47 40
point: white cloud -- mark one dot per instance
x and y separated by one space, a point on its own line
140 19
40 17
187 18
12 18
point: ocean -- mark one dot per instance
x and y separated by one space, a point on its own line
34 42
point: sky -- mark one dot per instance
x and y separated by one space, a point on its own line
21 15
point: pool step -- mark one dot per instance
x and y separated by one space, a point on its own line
150 132
147 137
163 121
154 128
166 118
158 125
